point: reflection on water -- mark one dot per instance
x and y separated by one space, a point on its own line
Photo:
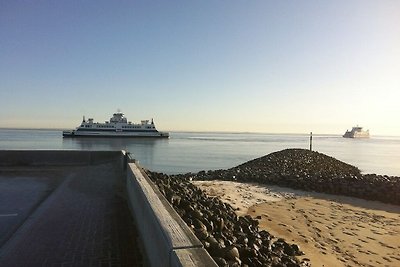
99 143
144 149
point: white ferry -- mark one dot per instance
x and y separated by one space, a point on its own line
118 126
356 132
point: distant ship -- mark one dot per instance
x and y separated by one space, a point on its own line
356 132
118 126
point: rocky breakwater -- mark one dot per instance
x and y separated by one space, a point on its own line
310 171
231 240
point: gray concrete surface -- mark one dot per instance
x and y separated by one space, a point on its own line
22 192
71 215
73 208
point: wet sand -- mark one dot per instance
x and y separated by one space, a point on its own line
331 230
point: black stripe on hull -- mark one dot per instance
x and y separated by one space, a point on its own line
114 136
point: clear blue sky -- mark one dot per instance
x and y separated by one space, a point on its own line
248 66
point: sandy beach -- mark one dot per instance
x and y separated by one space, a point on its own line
331 230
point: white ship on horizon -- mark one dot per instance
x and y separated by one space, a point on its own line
117 126
356 132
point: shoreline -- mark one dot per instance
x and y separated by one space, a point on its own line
307 170
332 230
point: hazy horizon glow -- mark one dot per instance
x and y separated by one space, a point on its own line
259 66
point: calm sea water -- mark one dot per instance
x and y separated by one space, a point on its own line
191 152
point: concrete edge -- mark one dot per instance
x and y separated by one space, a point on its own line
191 257
166 238
27 158
171 211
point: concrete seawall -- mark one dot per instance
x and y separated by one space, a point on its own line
99 178
24 158
167 239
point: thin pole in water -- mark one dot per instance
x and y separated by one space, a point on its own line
310 141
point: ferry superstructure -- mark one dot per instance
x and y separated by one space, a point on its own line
356 132
117 126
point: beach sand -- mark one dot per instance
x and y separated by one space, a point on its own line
331 230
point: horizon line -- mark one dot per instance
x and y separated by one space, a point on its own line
211 131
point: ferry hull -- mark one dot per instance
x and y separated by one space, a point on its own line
356 132
115 134
346 135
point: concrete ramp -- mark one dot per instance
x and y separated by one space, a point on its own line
72 214
79 208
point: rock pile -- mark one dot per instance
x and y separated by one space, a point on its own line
310 171
229 239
